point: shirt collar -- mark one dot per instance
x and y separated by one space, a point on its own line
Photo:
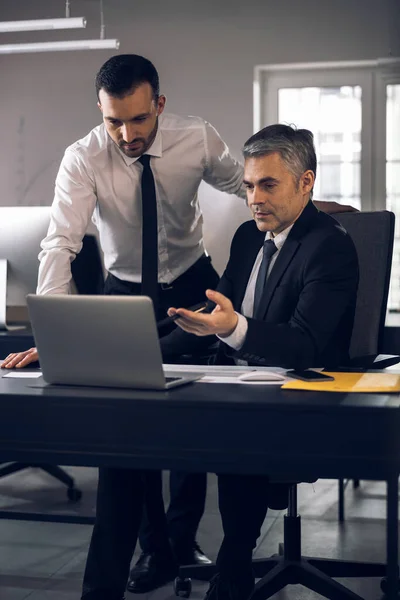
279 239
154 150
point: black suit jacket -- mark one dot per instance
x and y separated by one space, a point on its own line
309 300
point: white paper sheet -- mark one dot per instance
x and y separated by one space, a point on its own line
213 379
227 370
23 375
228 374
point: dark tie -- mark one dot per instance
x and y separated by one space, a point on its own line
269 250
149 232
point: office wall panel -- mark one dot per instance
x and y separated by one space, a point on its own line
205 52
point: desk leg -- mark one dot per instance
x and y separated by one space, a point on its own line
392 504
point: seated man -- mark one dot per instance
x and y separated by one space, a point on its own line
287 298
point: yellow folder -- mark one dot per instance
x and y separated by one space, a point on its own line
350 382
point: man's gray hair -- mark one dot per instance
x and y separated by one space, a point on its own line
295 147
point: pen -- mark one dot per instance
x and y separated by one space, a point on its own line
197 308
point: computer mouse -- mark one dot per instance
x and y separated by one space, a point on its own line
262 376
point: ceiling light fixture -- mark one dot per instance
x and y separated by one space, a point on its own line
57 46
63 23
43 24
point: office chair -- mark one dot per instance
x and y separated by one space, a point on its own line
87 268
87 274
372 234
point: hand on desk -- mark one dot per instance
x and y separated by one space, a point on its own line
222 321
20 359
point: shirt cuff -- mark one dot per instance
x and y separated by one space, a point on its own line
236 339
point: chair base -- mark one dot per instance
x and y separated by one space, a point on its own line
278 571
289 567
73 493
313 573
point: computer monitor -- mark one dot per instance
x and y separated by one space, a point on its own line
22 228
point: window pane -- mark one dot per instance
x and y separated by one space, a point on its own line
339 181
393 183
393 122
334 117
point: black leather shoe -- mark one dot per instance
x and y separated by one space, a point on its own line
151 571
192 555
227 589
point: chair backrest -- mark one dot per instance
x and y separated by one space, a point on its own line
87 268
373 235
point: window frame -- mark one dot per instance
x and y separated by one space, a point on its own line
373 76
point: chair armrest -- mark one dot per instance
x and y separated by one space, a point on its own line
370 361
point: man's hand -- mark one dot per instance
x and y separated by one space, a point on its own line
20 359
333 207
222 321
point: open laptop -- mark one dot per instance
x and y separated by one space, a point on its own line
107 341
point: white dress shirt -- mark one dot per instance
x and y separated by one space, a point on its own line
97 181
238 336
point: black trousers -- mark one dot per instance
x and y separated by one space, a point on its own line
187 490
120 496
130 500
186 290
243 502
243 505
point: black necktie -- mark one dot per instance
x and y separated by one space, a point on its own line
269 250
149 232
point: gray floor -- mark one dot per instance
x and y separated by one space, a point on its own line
43 561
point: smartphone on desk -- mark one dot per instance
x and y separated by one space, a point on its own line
308 375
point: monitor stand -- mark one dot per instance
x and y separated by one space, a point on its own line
3 299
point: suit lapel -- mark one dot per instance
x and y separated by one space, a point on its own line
282 262
286 255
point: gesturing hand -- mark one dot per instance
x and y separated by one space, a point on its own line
222 321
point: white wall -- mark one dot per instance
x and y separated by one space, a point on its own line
205 51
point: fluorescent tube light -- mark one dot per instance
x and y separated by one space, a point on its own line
57 46
43 24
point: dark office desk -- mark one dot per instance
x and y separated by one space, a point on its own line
204 427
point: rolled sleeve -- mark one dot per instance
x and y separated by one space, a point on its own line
222 171
72 208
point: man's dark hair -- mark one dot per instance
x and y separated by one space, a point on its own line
123 73
295 147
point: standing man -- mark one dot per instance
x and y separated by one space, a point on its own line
137 176
141 167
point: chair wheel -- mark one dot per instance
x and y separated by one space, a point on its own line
384 586
280 549
183 587
74 494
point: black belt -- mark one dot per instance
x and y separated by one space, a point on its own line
187 275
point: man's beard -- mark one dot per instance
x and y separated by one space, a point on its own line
141 144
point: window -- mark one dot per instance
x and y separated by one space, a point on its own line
334 117
393 181
353 110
